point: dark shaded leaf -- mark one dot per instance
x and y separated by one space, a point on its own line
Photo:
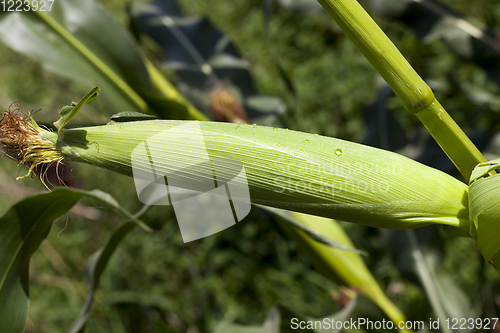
201 56
431 154
271 325
382 128
112 204
130 116
94 269
267 7
341 316
288 217
418 255
274 323
384 131
99 260
142 299
308 6
431 20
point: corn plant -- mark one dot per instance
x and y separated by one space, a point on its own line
300 172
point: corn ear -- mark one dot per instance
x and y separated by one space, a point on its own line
285 169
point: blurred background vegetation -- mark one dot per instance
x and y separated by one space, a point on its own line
156 283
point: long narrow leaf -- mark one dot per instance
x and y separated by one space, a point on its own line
22 229
272 324
97 264
77 48
95 267
321 238
283 73
338 264
446 299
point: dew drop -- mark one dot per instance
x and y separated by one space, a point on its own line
254 125
316 134
338 151
306 141
278 144
300 150
275 128
286 129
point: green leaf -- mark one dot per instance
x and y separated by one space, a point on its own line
283 73
482 169
337 264
94 269
130 116
341 315
289 217
446 299
485 213
98 261
272 324
418 255
70 111
112 204
142 299
69 40
22 229
307 6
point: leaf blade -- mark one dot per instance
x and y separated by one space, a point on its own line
18 243
94 269
22 229
77 49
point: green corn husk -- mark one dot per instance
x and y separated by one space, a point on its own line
484 210
286 169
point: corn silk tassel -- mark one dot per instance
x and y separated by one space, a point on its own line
285 169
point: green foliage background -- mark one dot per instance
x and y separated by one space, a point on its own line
156 283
